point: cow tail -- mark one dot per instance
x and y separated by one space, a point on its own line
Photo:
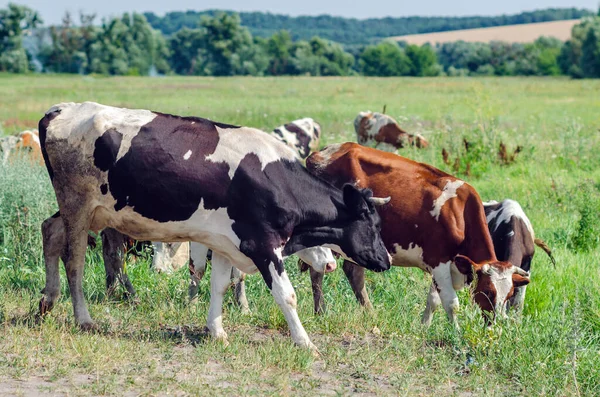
542 244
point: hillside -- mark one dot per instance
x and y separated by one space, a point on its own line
359 31
525 33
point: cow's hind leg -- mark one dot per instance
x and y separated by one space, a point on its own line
197 267
237 277
113 253
53 240
220 279
433 301
76 226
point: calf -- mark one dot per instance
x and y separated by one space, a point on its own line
434 221
237 190
383 132
514 240
301 135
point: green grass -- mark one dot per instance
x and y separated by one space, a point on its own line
158 346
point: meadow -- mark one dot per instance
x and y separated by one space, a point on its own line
158 346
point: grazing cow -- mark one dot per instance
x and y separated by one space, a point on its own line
514 240
26 142
383 132
237 190
301 135
434 221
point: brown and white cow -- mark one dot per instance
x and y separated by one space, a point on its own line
514 240
434 221
26 142
382 132
302 135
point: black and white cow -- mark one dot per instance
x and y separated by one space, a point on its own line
237 190
302 135
514 240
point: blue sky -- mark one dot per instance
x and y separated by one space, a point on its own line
52 10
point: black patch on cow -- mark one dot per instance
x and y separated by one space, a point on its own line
57 215
106 149
155 179
43 129
104 188
278 132
302 137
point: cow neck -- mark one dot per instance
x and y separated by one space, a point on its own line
323 217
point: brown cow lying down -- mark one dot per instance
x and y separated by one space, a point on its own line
26 142
434 221
383 132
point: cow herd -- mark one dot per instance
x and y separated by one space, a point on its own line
252 199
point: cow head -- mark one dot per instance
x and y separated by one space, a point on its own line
361 242
319 258
496 282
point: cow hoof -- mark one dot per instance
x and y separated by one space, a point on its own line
45 307
88 327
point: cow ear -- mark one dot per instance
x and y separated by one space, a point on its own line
354 198
464 264
519 281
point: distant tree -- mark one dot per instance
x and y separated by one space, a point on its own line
278 48
571 58
15 21
423 60
224 37
590 53
187 51
385 59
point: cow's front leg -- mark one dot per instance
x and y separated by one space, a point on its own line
433 301
443 279
285 296
220 279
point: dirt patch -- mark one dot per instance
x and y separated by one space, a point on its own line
37 385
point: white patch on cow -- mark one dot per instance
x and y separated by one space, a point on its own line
317 257
82 123
409 257
193 122
285 296
511 233
506 211
502 281
326 154
448 192
235 143
187 155
416 226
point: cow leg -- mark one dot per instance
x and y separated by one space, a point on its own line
443 279
285 296
316 280
197 266
220 279
53 240
240 289
113 253
356 277
433 301
74 265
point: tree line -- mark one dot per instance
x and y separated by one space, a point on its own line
220 45
351 31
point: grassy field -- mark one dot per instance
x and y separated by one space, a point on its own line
159 347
